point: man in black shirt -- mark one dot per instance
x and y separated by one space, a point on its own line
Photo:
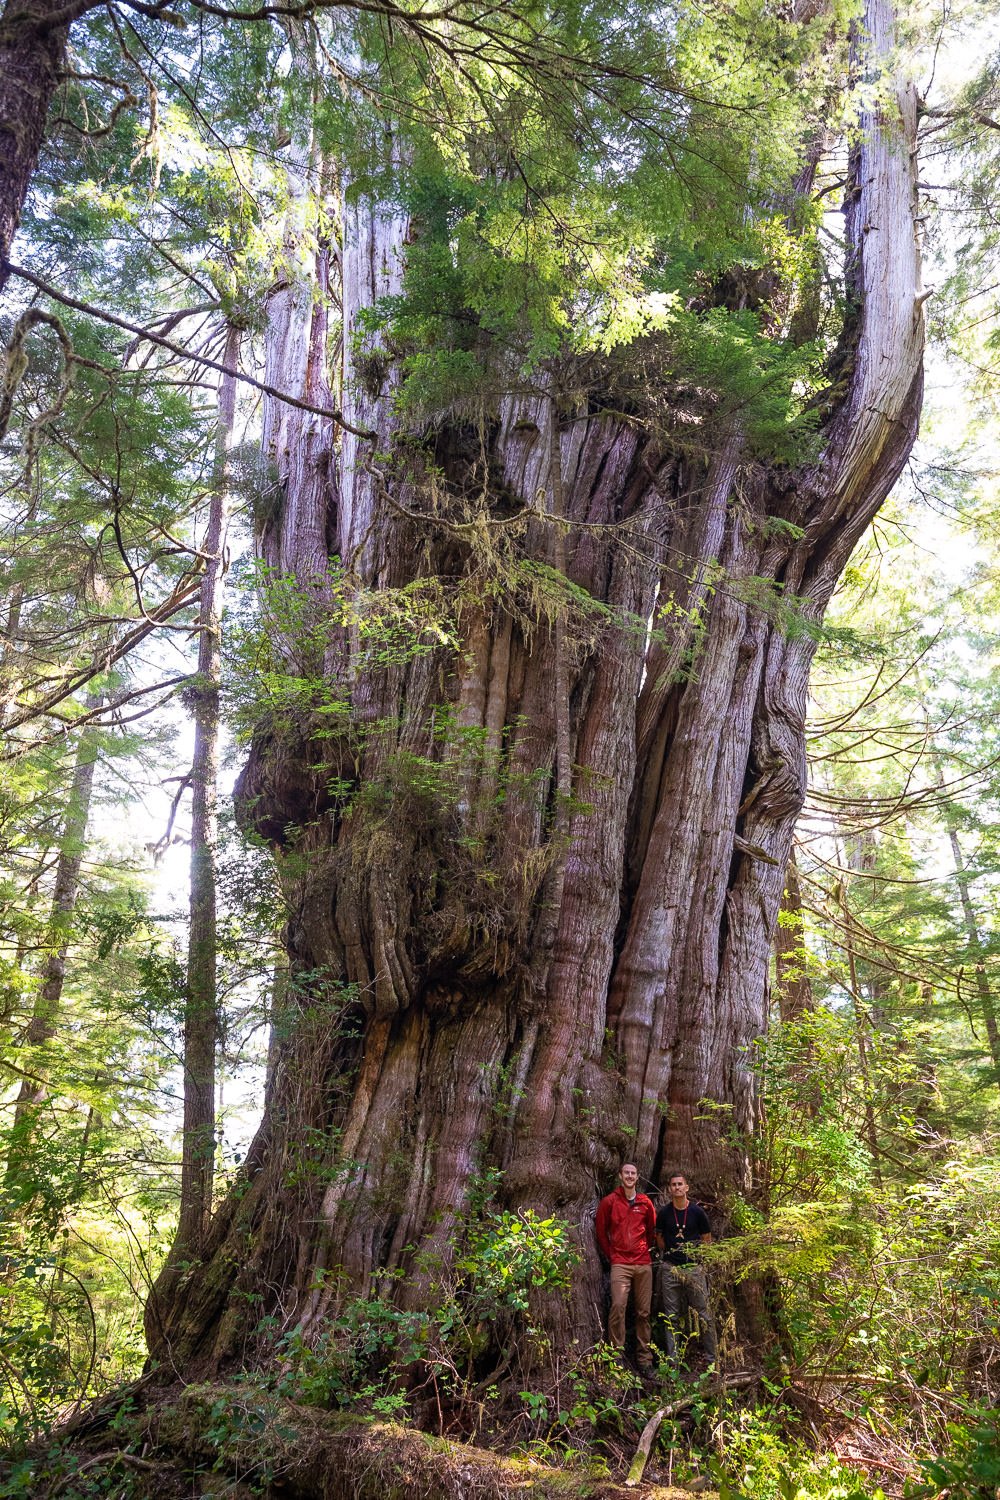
680 1227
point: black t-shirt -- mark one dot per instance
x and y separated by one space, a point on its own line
679 1228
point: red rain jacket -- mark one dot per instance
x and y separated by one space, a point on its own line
626 1231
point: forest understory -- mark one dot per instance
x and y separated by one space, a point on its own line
241 1439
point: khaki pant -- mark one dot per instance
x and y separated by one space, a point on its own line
681 1287
638 1279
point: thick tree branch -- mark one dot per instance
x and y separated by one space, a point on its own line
872 429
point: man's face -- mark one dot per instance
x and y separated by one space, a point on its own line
678 1186
629 1175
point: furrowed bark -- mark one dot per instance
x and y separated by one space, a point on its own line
501 977
298 447
32 57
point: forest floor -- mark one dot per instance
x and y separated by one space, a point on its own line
236 1442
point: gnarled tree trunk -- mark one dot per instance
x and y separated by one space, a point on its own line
500 976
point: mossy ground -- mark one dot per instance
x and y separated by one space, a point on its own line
235 1442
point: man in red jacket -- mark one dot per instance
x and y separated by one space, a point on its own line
626 1231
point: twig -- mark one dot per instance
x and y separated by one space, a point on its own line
162 844
114 1455
104 660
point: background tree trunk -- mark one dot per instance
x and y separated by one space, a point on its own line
298 446
201 1024
499 977
791 977
48 1000
33 36
984 994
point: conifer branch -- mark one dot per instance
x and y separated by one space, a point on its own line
104 660
332 414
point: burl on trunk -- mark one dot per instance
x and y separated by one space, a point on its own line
534 881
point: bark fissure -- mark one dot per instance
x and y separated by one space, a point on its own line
32 60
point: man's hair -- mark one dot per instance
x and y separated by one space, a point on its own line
682 1175
628 1164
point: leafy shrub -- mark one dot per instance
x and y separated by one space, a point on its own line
970 1467
509 1255
759 1463
369 1349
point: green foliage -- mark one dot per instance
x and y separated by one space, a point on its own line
88 1200
542 253
279 632
367 1353
969 1469
759 1462
511 1255
876 1274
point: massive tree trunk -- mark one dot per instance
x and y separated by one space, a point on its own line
495 975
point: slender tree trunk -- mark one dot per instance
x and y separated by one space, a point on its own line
8 654
45 1013
12 649
492 975
928 1103
62 1254
861 1027
201 1024
795 995
984 994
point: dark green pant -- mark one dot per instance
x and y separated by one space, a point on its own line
681 1287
